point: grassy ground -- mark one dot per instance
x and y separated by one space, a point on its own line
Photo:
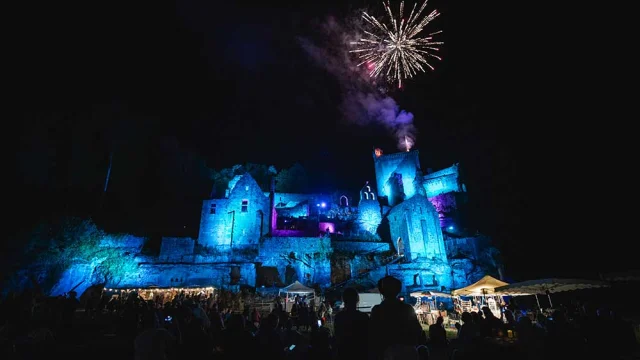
452 333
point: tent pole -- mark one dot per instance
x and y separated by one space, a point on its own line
550 303
538 301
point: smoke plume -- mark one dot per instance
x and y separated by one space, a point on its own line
363 101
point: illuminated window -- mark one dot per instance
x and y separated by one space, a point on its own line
212 209
245 206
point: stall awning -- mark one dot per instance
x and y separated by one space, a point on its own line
430 294
297 288
484 286
544 286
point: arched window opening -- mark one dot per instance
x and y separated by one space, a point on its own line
344 201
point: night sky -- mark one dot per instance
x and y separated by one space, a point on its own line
522 107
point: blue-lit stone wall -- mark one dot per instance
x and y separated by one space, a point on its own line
360 246
416 222
284 198
181 275
78 277
269 245
298 211
215 224
403 163
431 274
443 181
308 257
468 246
234 224
232 240
313 200
471 258
177 249
369 216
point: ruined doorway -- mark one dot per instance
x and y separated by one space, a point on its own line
417 280
400 246
340 269
235 275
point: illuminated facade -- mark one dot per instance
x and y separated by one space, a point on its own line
255 238
308 235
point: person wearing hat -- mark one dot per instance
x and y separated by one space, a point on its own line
394 326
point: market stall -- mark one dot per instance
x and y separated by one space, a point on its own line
161 294
296 290
547 287
479 294
427 308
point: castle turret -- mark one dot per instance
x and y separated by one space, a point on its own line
369 211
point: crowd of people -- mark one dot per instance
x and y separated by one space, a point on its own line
189 326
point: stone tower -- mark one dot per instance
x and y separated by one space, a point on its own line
395 174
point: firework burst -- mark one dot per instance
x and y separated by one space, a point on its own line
395 51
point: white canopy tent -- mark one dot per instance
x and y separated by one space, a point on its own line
425 308
548 287
483 288
627 276
296 289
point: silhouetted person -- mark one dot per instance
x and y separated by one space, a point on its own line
469 330
351 328
153 342
394 325
491 326
319 342
268 339
290 336
437 334
237 341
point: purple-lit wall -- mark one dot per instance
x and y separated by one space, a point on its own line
322 226
445 206
289 233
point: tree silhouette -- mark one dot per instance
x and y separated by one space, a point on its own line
259 172
293 180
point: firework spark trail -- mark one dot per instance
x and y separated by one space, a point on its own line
396 51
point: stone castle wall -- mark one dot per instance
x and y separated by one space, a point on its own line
469 246
177 249
442 181
229 222
403 163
